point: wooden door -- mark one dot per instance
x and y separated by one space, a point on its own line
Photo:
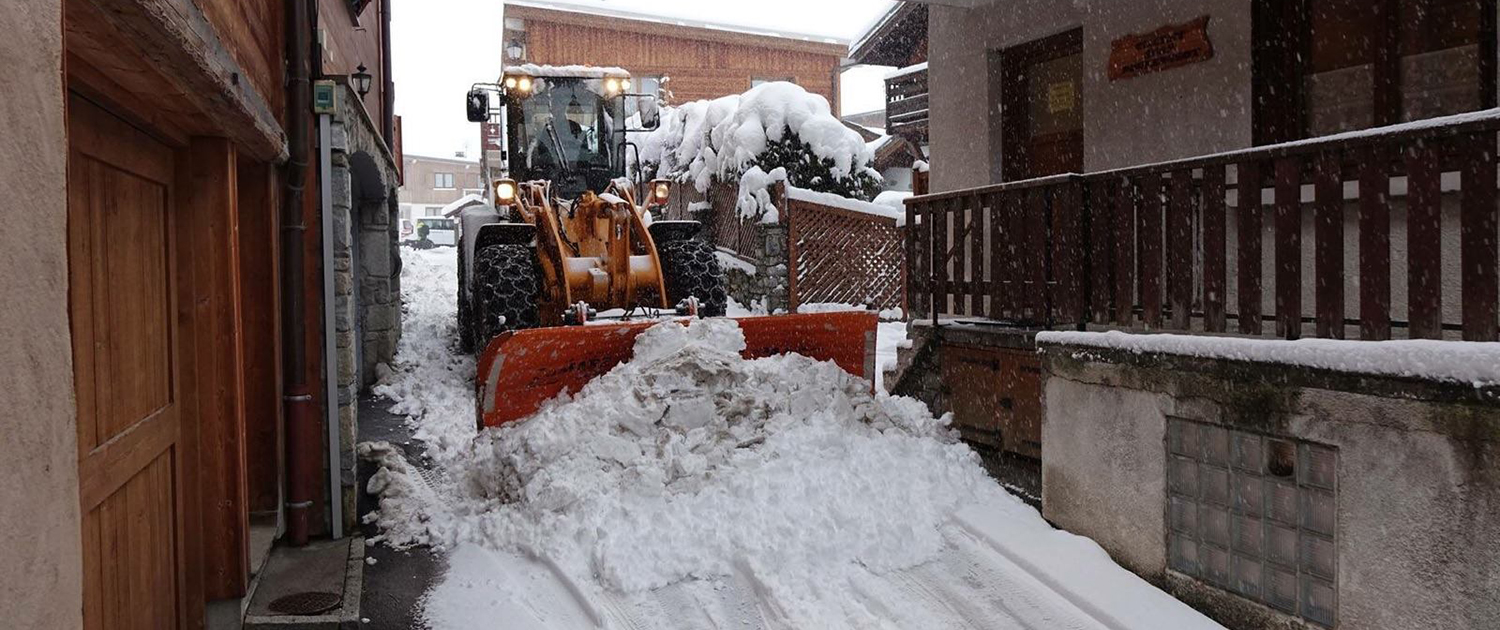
973 379
1042 107
127 376
1021 415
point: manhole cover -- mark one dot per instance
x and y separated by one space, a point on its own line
310 603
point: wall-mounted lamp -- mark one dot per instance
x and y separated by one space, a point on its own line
361 81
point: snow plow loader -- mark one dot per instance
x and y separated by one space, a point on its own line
563 239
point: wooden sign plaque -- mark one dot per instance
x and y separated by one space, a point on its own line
1168 47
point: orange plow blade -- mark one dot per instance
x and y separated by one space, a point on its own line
521 370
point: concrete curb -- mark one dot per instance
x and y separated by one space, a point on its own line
346 618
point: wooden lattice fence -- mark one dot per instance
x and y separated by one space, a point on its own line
831 254
843 256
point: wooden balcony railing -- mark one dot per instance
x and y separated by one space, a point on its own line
1360 234
906 104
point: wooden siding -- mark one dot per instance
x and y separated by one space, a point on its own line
211 342
702 63
252 31
350 43
260 286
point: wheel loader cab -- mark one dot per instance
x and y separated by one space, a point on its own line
569 131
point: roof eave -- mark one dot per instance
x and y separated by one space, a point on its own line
867 49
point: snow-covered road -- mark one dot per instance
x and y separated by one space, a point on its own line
689 488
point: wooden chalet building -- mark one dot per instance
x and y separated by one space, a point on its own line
689 60
168 398
899 40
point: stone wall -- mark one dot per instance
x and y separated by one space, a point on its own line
366 265
1268 495
41 579
768 283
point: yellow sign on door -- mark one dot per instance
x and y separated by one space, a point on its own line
1061 97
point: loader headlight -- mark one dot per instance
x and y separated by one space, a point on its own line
505 191
510 82
661 191
524 84
613 85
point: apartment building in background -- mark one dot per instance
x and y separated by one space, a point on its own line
432 184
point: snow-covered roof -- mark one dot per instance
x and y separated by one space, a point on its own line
571 72
921 67
666 18
875 26
892 37
452 209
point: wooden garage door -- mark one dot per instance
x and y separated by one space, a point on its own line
126 372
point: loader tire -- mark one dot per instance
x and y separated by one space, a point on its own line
691 268
506 289
465 308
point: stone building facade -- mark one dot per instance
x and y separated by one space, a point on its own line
366 269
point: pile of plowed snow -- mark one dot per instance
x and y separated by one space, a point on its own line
689 488
689 459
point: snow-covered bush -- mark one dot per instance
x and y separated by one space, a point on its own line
775 131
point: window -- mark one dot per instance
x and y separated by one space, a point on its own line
1356 64
651 84
443 180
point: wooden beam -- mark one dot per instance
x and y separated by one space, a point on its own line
176 40
261 343
209 186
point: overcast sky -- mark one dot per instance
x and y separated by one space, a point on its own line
441 47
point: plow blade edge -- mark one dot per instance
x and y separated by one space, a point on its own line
521 370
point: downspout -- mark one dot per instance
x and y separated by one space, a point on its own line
300 406
388 85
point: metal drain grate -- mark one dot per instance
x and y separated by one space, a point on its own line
309 603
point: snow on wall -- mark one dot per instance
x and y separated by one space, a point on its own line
894 198
844 203
1461 362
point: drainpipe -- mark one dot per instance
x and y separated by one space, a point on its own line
388 91
300 406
